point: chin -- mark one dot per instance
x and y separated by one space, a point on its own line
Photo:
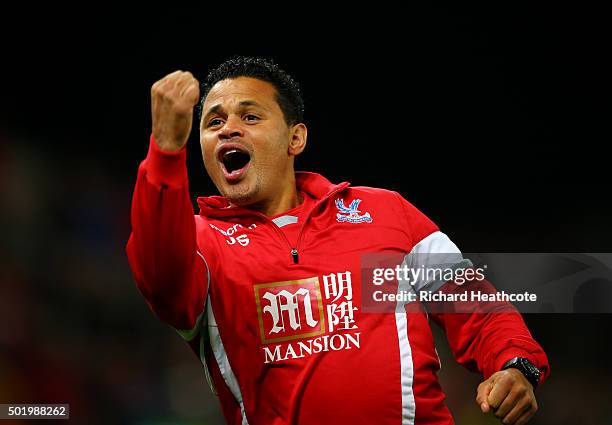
240 194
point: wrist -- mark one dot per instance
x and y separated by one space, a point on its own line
528 369
169 147
166 168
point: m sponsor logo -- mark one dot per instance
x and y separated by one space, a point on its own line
293 310
289 310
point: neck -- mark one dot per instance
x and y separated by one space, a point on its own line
289 198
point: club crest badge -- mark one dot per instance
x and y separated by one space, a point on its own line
351 214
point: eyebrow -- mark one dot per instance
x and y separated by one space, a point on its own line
250 103
218 108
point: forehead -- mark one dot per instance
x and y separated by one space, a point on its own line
231 92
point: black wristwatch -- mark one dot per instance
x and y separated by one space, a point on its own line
527 368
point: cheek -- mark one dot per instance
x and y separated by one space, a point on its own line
208 150
276 145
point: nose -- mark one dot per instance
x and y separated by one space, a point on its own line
231 129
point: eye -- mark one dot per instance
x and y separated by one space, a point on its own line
251 117
215 122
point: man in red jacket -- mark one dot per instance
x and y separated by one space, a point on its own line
265 282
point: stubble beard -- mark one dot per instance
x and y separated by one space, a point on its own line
243 193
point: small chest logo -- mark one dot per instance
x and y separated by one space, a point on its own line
351 214
230 234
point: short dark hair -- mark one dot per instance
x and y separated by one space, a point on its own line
287 89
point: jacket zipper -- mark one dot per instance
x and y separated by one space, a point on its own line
294 254
294 250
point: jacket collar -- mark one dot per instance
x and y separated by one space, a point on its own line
313 184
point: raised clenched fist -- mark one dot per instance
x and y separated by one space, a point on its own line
172 101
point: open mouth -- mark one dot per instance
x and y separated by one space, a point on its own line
235 161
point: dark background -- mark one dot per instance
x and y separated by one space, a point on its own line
494 121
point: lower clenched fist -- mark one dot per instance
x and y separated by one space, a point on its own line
172 101
509 396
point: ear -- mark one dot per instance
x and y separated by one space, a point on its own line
298 134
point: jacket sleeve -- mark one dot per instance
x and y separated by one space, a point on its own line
169 269
482 338
486 339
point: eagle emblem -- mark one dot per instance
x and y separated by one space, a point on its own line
351 214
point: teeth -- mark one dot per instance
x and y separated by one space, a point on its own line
231 151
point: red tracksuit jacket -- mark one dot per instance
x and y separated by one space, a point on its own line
273 307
